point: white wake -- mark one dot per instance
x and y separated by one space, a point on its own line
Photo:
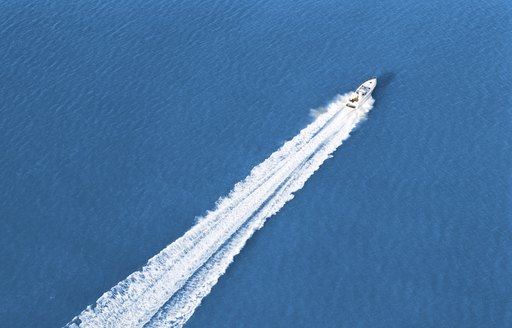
172 284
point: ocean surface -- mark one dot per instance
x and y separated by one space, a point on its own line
121 122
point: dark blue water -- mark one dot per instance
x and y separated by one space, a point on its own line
122 121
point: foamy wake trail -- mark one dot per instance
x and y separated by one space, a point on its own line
172 284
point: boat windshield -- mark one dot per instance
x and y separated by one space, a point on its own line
363 90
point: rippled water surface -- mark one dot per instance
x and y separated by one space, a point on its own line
120 122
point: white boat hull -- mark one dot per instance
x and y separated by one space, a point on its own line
362 94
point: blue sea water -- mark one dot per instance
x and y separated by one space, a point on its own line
120 122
